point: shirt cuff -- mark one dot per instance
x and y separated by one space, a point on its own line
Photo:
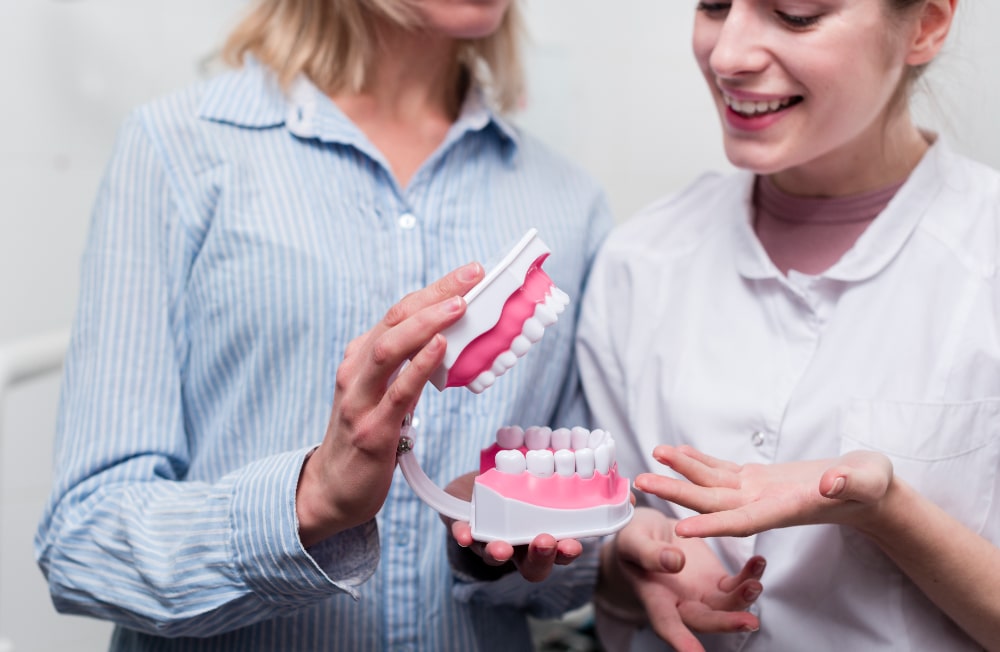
270 556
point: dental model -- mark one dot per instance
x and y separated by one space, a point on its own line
560 482
506 313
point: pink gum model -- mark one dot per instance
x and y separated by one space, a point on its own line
507 312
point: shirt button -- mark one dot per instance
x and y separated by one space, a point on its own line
415 422
403 540
757 438
407 221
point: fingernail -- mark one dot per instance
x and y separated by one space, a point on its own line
453 305
751 594
545 551
838 486
749 628
671 560
468 272
758 567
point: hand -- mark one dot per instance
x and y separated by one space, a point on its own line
737 500
346 479
534 561
679 585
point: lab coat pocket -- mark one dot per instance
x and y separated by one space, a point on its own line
949 452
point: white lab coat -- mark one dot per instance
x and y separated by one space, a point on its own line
690 335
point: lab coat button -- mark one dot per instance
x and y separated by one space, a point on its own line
757 438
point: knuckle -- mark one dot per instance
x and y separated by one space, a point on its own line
398 312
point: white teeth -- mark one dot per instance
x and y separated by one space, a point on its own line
749 108
604 457
559 296
540 463
510 437
520 345
533 330
585 462
510 461
579 437
503 363
560 438
537 437
482 381
565 462
545 315
596 438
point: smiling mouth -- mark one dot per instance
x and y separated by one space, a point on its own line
753 109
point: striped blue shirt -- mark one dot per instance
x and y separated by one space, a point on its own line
241 238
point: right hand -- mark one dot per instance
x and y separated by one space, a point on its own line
346 480
679 584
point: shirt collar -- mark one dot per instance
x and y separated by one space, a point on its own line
876 247
251 97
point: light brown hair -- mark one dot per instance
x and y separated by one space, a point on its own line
333 43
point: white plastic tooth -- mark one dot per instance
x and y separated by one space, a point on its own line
533 329
561 296
597 437
500 367
560 438
537 437
520 345
545 315
507 359
585 462
510 461
565 462
541 463
484 380
477 387
510 437
604 457
579 437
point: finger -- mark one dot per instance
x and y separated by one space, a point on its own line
402 395
698 467
386 352
651 554
701 618
743 522
462 532
753 569
682 492
865 484
537 562
497 553
665 619
454 284
567 551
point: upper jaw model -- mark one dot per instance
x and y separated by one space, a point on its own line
560 482
506 313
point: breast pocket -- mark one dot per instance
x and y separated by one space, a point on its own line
949 452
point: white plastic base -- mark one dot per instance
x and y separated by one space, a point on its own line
495 517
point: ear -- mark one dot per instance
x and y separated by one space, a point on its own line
931 31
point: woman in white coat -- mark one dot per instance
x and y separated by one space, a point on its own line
810 349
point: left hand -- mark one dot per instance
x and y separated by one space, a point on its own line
534 561
740 500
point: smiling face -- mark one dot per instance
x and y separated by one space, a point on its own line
804 89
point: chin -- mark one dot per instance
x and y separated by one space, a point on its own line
469 21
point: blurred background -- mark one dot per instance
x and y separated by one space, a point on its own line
611 84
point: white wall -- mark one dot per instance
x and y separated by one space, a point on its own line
612 85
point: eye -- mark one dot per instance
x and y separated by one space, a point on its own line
714 9
797 22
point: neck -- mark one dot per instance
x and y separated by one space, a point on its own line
878 157
414 77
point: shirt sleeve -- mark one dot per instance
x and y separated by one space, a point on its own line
127 535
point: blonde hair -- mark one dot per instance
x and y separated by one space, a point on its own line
333 43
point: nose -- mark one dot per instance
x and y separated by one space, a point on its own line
740 46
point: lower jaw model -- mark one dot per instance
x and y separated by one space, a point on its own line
561 482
